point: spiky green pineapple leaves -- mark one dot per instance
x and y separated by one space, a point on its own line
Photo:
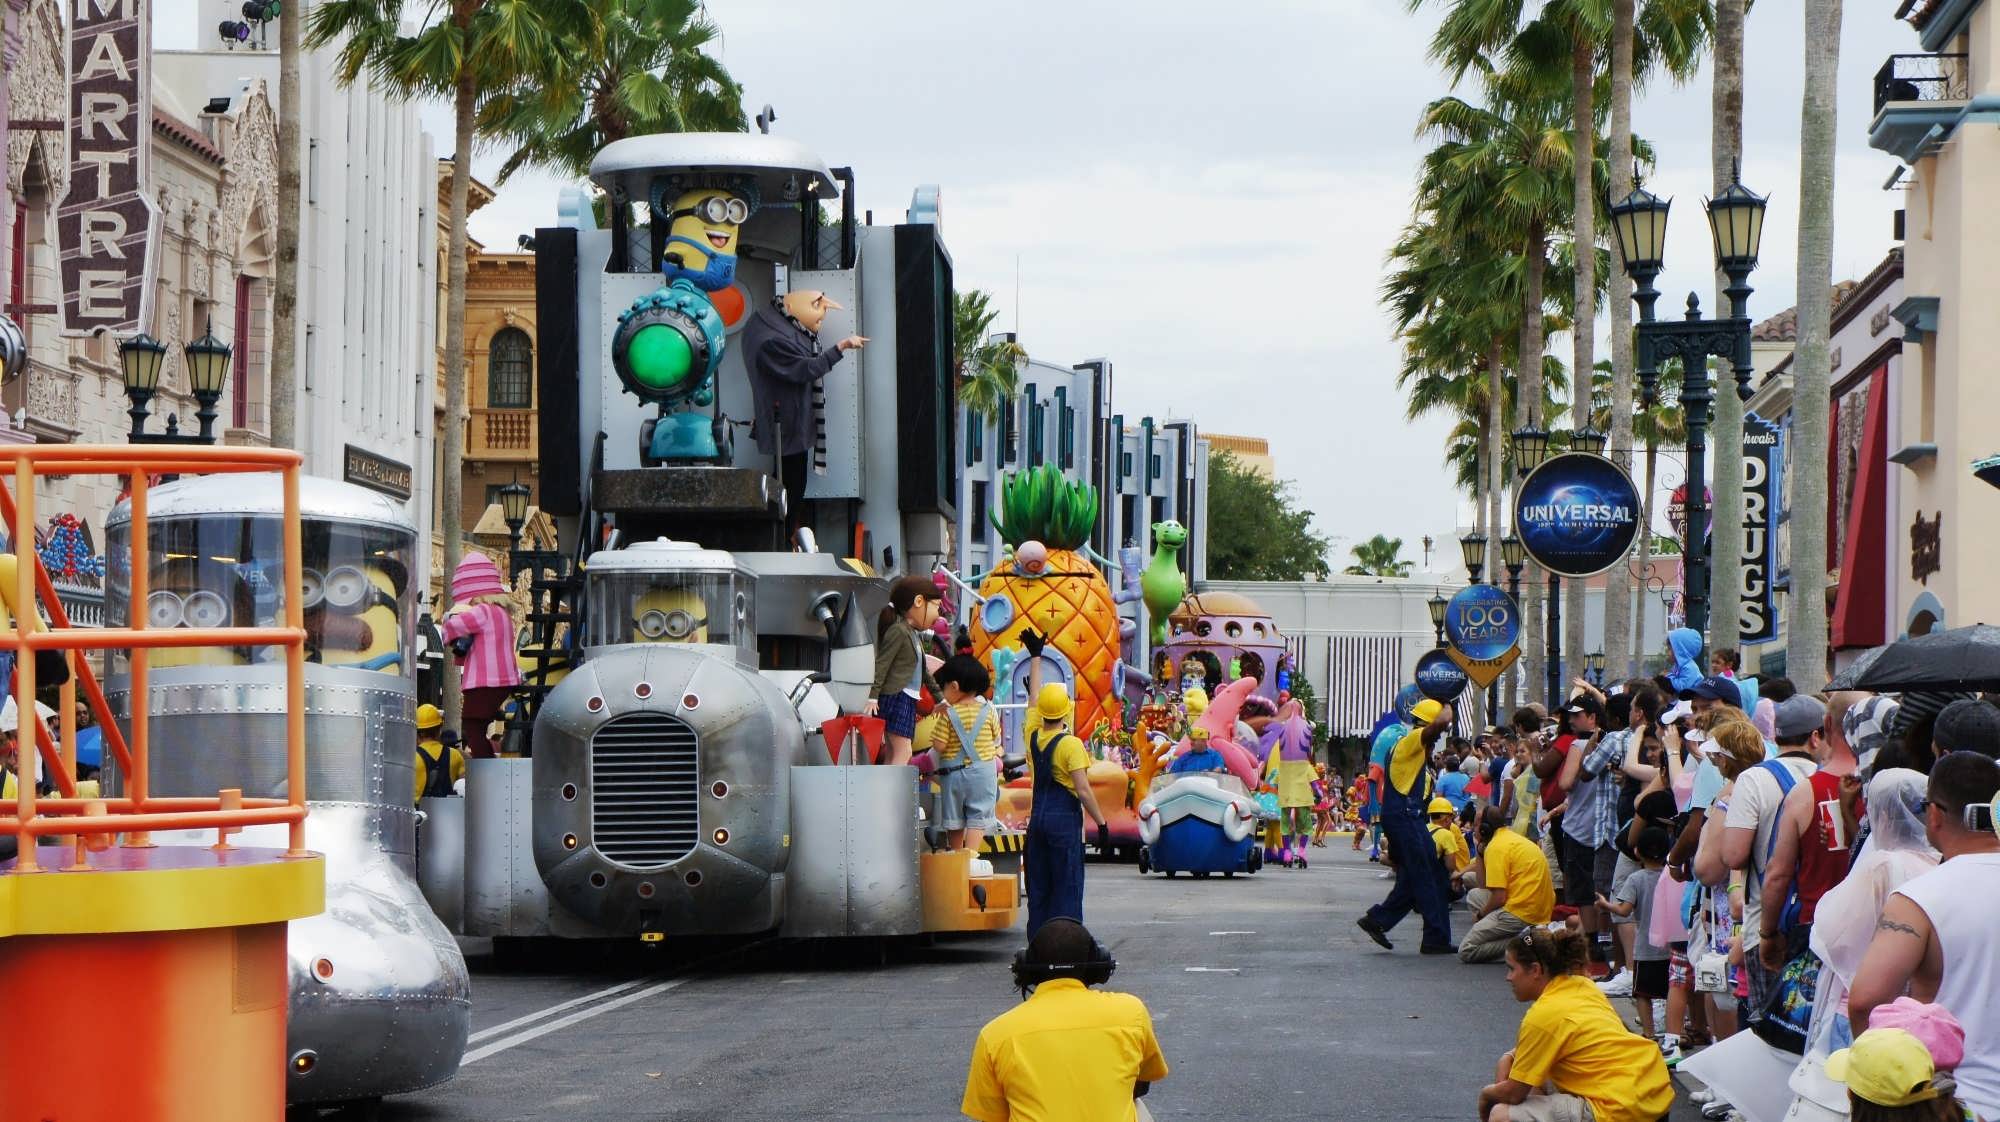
1040 505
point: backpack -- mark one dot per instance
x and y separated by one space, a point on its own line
1788 919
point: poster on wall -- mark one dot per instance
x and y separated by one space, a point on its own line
1757 621
1577 514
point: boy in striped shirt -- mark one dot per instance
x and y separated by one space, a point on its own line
968 784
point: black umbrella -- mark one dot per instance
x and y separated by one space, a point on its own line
1961 659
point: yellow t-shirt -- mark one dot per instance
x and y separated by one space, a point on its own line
428 748
1517 865
985 737
1406 766
1069 755
1572 1038
1067 1052
1451 847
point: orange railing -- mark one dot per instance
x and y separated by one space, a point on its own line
95 822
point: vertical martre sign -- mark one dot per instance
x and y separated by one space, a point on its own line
106 222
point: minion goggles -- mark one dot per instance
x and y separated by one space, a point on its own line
716 210
679 623
345 589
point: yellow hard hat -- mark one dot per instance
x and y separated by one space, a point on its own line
1441 805
1198 733
428 716
1426 711
1053 703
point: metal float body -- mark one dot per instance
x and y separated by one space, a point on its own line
380 996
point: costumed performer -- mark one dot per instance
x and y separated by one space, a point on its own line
1059 767
480 631
1419 874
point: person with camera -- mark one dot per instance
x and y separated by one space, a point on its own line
1068 1051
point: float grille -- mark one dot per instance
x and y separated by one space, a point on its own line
645 789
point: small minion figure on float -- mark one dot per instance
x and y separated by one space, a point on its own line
669 615
702 228
203 593
354 615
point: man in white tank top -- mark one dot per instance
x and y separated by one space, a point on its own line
1935 939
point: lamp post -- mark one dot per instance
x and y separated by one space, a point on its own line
1595 661
1437 606
1736 221
1514 555
1472 548
1531 448
140 359
514 511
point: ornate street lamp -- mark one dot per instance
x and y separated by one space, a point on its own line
140 358
1438 604
1587 440
1595 661
514 511
208 368
1514 555
1531 447
1472 549
1736 221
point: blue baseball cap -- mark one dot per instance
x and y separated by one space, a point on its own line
1715 689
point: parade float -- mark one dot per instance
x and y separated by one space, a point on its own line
677 781
1217 637
1050 584
147 929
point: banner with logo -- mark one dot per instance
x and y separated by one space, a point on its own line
1438 677
1757 621
1483 626
1577 514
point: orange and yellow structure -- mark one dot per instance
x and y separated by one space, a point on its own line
143 980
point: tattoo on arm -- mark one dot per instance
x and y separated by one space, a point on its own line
1892 925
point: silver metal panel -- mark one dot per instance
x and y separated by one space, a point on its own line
840 425
854 860
748 740
224 726
441 858
504 894
323 500
631 163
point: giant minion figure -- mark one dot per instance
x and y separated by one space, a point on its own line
670 615
701 235
198 592
354 615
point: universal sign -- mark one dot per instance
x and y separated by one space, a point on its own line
1757 620
1438 677
1483 626
1577 514
106 221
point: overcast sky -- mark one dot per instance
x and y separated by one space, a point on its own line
1205 194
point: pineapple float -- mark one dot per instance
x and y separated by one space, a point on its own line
1055 589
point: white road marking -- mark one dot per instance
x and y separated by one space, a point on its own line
1215 970
1232 933
542 1030
552 1010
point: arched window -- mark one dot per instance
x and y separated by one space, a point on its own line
510 366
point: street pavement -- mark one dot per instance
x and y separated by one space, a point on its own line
1268 1002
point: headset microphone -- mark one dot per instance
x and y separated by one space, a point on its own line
1093 971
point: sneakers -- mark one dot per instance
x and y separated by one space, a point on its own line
1618 985
1375 932
1385 875
1670 1051
1446 948
1717 1111
1702 1097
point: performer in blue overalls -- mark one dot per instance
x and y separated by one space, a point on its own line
1419 874
1060 766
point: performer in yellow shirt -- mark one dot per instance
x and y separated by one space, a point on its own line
1068 1052
1420 876
965 740
1060 767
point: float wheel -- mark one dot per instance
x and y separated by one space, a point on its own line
1145 865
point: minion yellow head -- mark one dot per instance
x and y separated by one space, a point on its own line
353 616
701 237
670 615
192 592
1196 702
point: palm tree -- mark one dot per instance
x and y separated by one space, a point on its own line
1379 556
1725 440
479 48
1805 645
633 68
1666 35
987 369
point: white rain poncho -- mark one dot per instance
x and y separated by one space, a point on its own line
1844 924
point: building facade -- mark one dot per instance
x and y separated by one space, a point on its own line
1937 111
1065 417
1253 452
